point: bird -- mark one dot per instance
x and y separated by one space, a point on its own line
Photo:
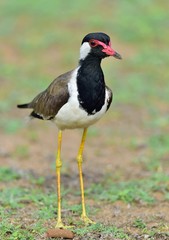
76 99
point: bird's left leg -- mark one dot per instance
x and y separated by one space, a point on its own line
79 161
58 167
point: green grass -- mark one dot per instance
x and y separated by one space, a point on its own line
154 233
14 231
139 223
100 229
8 174
157 149
14 199
139 190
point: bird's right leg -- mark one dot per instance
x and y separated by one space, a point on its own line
84 216
58 167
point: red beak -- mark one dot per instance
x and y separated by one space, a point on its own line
106 48
110 52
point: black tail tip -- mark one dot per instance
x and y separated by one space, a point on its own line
23 105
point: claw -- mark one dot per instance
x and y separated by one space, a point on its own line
61 225
87 220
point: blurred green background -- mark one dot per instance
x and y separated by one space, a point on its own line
40 40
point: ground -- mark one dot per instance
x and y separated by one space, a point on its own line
126 167
107 162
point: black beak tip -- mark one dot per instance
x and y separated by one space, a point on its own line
117 55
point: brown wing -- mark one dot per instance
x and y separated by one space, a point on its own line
47 103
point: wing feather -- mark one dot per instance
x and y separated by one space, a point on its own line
47 103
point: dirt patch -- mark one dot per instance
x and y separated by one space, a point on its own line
107 153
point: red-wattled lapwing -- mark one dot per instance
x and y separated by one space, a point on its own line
77 99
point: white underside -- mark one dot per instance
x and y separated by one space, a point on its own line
71 115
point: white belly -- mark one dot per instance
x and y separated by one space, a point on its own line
71 116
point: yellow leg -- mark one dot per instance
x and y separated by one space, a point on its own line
58 167
80 161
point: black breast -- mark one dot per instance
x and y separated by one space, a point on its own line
91 85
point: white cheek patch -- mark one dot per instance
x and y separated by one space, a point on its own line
84 50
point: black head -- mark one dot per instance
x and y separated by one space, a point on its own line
97 44
97 36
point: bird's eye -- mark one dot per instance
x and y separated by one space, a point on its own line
93 43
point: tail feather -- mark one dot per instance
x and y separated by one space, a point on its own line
26 105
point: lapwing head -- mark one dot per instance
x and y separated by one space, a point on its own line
97 44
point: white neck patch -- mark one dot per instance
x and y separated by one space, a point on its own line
84 50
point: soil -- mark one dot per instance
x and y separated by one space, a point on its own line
107 151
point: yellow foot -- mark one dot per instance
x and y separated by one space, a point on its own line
87 220
61 225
